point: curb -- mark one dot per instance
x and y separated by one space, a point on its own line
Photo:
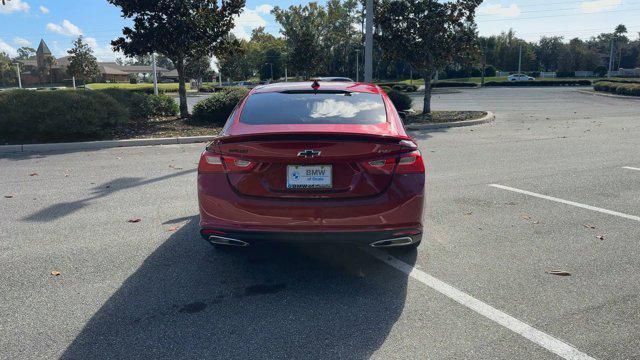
95 145
483 120
615 96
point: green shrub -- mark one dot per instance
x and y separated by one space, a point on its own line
58 115
440 84
399 87
565 74
400 100
601 70
620 88
162 105
490 71
216 108
385 88
136 103
411 88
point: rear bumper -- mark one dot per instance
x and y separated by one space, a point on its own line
396 209
377 238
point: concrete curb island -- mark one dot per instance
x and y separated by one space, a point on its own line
483 120
95 145
616 96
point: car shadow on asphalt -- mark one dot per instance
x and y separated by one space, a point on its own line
59 210
189 300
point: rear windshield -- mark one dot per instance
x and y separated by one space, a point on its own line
313 108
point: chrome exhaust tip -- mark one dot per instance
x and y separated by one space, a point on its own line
401 241
219 240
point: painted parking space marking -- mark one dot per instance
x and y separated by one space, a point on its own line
631 168
540 338
568 202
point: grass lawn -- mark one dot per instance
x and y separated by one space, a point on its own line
165 86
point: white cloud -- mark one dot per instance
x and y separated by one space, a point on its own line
67 28
250 19
21 41
44 10
497 9
14 6
264 8
102 53
6 48
599 5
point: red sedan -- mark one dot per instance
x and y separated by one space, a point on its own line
312 162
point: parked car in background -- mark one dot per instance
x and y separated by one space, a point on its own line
333 79
520 77
322 162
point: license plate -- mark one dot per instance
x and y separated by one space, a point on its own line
309 177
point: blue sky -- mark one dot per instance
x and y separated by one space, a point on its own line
25 22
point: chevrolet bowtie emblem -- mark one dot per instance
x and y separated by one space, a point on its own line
309 153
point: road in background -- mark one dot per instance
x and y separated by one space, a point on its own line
155 289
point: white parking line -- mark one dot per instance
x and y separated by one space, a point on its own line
568 202
630 168
548 342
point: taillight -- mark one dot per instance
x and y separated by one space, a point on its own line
411 163
382 166
212 163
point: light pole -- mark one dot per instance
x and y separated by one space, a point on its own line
155 74
368 48
610 60
19 78
520 60
357 65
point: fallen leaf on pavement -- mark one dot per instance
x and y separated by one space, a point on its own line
526 217
558 272
173 228
469 213
134 220
589 226
33 174
55 273
511 203
118 158
600 237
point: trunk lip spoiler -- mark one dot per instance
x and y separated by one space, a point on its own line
319 135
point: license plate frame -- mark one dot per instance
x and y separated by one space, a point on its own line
309 177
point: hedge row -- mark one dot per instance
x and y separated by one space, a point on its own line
58 115
540 83
441 84
623 81
398 86
215 109
75 115
142 106
629 89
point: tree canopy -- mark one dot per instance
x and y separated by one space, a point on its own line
427 34
176 29
82 64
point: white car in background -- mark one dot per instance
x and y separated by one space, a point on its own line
520 77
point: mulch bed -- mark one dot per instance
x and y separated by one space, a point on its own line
436 117
172 126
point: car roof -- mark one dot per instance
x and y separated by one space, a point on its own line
324 85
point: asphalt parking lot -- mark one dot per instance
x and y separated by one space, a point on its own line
552 184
